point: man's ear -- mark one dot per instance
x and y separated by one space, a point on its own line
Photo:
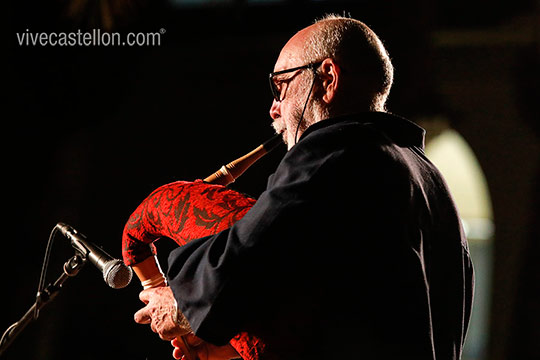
330 73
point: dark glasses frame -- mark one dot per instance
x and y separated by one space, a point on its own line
273 87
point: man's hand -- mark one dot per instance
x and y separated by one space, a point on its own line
161 312
204 350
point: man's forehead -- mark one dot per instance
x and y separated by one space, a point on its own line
290 55
286 60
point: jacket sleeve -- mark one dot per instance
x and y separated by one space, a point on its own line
222 279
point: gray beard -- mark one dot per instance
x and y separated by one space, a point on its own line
315 112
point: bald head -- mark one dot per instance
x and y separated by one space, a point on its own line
368 71
355 72
355 47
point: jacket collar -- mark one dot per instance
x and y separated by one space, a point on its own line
402 131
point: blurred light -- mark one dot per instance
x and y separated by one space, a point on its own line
447 149
466 180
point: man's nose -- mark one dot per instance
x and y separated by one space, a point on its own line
275 109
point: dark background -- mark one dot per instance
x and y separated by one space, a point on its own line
89 132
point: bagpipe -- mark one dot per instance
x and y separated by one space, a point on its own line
188 210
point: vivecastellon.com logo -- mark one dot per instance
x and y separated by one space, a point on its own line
94 37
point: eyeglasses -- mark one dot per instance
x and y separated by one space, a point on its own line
276 85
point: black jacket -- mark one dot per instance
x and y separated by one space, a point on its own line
355 250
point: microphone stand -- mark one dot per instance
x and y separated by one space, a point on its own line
71 268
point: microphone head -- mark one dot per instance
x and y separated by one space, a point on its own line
116 274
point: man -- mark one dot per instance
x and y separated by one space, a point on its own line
355 249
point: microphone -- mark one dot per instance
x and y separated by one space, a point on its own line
115 273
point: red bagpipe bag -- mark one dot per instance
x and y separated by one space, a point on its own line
183 211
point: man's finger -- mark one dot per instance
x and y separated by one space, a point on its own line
170 334
193 340
177 353
142 317
144 296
